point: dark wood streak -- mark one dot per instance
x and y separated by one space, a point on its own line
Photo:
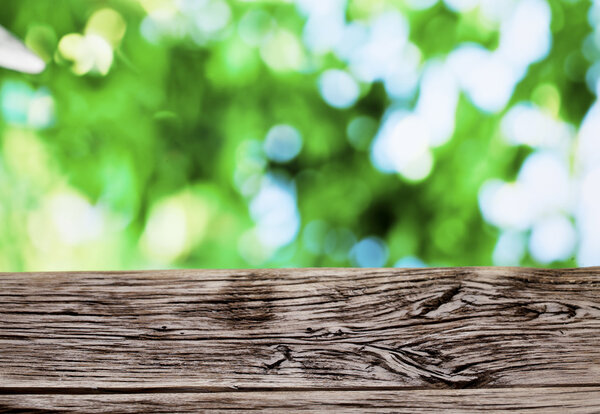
239 303
73 340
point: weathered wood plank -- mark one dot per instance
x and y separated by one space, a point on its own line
536 400
284 329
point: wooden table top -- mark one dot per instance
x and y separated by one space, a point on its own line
284 340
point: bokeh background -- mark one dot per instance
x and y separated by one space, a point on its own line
209 133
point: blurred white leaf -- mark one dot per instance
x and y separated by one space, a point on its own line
16 56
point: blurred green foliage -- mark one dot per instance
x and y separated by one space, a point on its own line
147 149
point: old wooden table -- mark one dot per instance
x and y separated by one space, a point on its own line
462 339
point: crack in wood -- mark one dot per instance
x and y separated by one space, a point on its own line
435 303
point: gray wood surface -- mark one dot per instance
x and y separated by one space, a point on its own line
352 339
532 400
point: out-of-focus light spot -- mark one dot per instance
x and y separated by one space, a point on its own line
588 253
320 8
313 236
175 225
41 111
27 156
487 79
151 6
248 183
15 97
402 145
250 164
164 237
355 35
75 219
591 49
461 6
542 188
66 232
588 144
89 53
506 205
107 23
589 200
402 74
251 248
390 138
509 249
249 153
410 262
282 143
338 88
200 21
21 105
525 37
496 11
594 13
275 213
255 26
592 78
163 23
545 177
528 125
369 252
374 50
379 56
241 64
417 169
361 131
552 239
323 31
588 219
282 52
211 16
437 102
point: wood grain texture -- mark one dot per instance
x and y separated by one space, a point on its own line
531 400
381 331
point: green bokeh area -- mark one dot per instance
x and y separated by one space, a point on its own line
145 141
